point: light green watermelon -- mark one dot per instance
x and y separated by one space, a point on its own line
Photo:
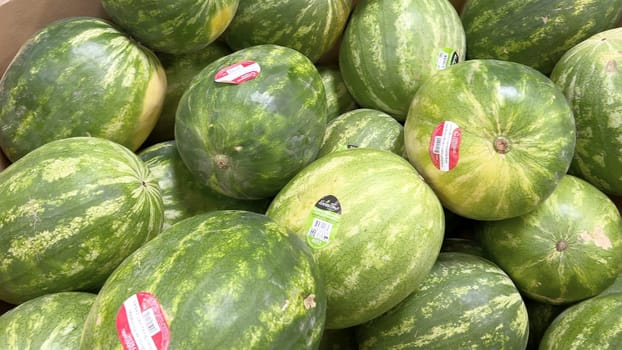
566 250
465 302
72 210
589 75
79 76
374 226
477 134
180 69
363 128
182 195
535 33
246 140
174 27
593 324
390 47
311 27
51 321
220 280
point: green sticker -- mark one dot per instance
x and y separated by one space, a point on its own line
446 57
323 221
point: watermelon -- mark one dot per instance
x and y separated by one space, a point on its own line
533 32
589 76
311 27
79 76
363 128
462 245
182 195
593 324
566 250
374 226
338 98
72 210
479 123
614 288
173 27
180 69
465 302
246 139
51 321
220 280
390 47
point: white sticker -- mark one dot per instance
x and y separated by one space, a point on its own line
238 73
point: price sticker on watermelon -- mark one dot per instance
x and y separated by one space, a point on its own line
141 324
238 73
445 145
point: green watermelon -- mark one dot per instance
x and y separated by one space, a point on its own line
390 47
220 280
465 302
72 210
375 228
590 78
174 27
182 195
180 69
566 250
79 76
535 33
51 321
363 128
593 324
246 138
476 134
338 98
311 27
614 288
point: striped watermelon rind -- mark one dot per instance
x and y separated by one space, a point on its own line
588 74
54 88
338 98
73 209
390 229
310 27
465 302
175 27
389 48
224 280
532 32
497 106
51 321
564 251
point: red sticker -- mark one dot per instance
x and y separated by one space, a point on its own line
238 73
445 145
141 324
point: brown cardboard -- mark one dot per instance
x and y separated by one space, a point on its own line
20 19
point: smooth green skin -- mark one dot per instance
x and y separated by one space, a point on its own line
51 321
72 210
79 76
174 27
390 47
390 229
246 141
338 98
225 280
182 195
180 69
489 99
534 32
363 128
311 27
590 78
614 288
593 324
566 250
465 302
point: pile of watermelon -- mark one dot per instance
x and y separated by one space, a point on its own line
372 174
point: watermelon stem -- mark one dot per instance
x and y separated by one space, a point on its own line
561 245
502 145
